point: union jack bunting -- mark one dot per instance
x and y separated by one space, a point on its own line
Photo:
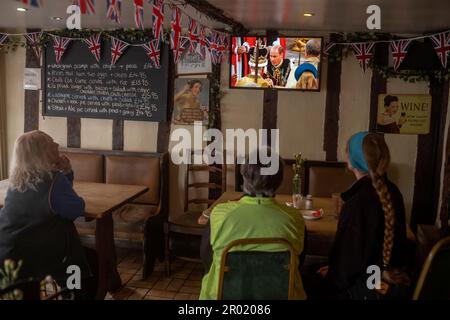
202 41
113 9
117 49
94 43
153 52
60 45
86 6
33 41
33 3
178 52
328 47
212 47
221 47
158 19
193 35
176 28
139 13
3 38
441 44
399 49
363 53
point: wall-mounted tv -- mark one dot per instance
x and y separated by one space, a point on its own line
286 63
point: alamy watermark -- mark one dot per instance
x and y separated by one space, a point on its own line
190 149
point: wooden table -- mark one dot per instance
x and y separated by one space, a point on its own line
101 200
321 232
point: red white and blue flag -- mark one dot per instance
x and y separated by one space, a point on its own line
86 6
399 50
118 47
202 41
139 13
363 53
33 40
60 45
328 47
33 3
95 46
153 52
113 10
3 37
441 43
212 46
158 19
221 47
176 28
178 52
193 35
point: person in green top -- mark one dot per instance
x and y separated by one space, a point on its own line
255 215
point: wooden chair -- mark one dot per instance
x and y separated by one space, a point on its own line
434 280
257 275
183 233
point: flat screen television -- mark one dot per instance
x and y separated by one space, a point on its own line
285 63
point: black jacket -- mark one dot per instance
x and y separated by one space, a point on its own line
359 238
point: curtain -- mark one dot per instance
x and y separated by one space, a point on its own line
3 147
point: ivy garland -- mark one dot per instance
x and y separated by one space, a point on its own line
338 52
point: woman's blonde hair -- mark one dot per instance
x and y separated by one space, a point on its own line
376 153
31 162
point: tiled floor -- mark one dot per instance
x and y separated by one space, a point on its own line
183 284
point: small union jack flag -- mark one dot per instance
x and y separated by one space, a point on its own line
60 46
176 28
86 6
158 19
3 38
399 49
94 43
202 41
178 52
153 52
33 40
441 44
139 13
363 53
212 46
117 49
193 35
328 47
33 3
221 47
113 9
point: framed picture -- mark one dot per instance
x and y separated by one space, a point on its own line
192 64
191 101
404 113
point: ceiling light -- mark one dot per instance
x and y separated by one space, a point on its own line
56 18
308 14
22 9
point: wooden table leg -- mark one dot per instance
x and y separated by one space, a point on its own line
108 277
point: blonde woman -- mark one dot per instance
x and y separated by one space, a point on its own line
40 205
372 227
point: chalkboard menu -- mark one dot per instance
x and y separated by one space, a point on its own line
78 86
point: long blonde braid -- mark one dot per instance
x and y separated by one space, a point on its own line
377 156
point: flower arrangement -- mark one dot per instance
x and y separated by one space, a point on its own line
8 276
298 164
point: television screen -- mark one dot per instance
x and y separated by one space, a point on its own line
287 63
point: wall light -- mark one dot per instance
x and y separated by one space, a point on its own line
22 9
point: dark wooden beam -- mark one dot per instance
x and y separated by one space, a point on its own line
331 125
378 83
217 14
31 107
117 135
73 132
445 207
429 159
164 127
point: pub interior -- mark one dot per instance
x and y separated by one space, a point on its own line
224 150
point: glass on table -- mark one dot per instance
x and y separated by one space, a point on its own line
337 203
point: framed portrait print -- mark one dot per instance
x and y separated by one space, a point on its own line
191 101
192 64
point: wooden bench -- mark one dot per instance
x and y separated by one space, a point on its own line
140 223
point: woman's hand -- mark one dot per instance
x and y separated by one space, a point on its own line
63 164
323 271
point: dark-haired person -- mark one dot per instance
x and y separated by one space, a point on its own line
255 215
188 98
278 68
371 228
385 122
